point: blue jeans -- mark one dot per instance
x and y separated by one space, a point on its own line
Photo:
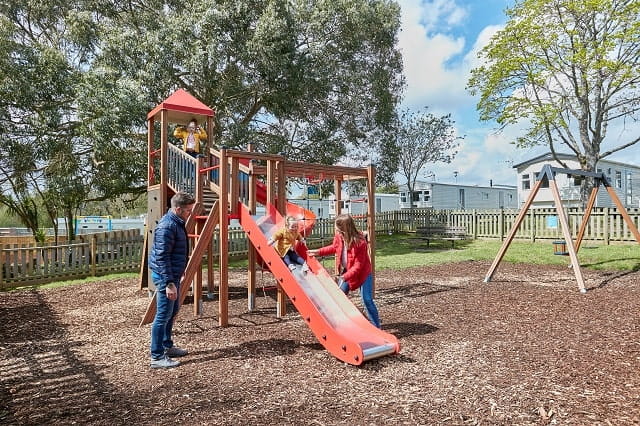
166 311
292 257
366 292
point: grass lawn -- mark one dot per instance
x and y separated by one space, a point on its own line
401 251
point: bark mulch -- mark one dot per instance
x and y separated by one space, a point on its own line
525 349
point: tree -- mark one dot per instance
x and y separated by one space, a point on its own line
68 130
313 80
570 69
423 138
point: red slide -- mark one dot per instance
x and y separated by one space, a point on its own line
306 216
337 324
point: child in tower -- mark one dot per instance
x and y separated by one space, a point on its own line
284 241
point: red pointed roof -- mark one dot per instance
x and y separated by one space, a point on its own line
184 104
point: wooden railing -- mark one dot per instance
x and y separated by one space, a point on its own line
120 251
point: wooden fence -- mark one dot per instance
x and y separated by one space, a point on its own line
90 255
120 251
605 224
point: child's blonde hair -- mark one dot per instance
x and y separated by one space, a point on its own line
290 219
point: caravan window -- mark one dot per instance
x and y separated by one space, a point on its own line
416 196
526 181
403 197
618 179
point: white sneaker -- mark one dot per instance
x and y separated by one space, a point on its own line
305 267
292 267
164 362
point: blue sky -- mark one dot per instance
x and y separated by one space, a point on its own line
439 42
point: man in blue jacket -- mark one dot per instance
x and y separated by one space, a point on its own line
167 261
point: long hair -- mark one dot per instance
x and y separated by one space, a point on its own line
347 226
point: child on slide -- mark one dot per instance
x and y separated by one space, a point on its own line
284 241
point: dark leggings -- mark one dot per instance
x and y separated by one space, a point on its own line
291 257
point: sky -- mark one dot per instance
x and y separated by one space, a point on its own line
439 41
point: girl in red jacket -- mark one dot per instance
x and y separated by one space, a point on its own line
352 263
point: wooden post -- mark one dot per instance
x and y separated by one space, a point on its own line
251 278
3 264
271 182
534 224
234 195
164 159
338 194
371 220
94 254
567 235
197 285
512 232
586 216
624 213
281 304
474 224
605 225
223 240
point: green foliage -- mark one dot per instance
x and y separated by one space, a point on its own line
41 235
8 220
315 80
388 189
422 138
569 69
54 108
284 75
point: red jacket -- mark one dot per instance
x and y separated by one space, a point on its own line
358 262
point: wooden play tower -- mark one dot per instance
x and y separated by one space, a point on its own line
224 181
548 174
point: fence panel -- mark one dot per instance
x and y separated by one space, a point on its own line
121 251
91 254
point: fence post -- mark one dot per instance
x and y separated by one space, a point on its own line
474 224
94 254
501 224
533 223
2 267
605 220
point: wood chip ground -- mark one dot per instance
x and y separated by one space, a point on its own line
525 349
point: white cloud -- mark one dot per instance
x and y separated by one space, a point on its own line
471 59
426 54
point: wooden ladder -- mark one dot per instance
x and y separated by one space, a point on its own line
203 241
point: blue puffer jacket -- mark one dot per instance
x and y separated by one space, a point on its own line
170 250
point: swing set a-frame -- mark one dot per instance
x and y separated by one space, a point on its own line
547 174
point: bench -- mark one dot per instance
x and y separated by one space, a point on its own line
437 231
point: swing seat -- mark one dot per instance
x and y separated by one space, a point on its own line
560 248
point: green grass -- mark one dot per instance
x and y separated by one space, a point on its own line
56 284
400 251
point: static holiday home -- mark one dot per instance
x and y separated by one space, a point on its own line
624 178
445 196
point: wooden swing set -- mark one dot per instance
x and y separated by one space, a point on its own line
570 248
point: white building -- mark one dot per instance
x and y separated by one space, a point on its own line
354 205
445 196
623 178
